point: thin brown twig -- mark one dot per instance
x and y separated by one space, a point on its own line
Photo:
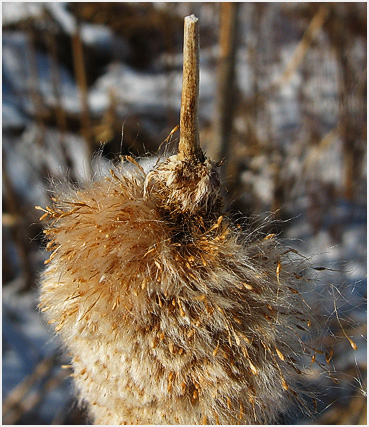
19 230
189 142
301 49
60 113
220 146
80 74
34 85
297 57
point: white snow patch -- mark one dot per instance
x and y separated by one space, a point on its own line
62 16
13 12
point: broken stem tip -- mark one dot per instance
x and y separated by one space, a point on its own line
189 142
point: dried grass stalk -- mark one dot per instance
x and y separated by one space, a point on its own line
189 143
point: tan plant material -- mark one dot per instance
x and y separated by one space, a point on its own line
172 313
225 78
189 143
304 45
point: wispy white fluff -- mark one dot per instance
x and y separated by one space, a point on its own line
171 313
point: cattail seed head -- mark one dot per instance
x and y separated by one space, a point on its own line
172 313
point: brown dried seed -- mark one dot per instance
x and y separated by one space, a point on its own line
72 311
190 333
284 384
158 265
279 353
160 302
59 326
253 368
329 356
241 414
352 343
149 252
132 160
248 286
278 270
215 352
237 338
271 309
39 208
116 302
172 347
45 215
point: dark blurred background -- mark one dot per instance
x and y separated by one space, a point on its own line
282 100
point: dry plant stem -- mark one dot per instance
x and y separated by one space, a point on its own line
225 81
189 142
300 52
34 86
297 57
60 114
18 231
80 74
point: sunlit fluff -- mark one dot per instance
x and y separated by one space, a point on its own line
171 312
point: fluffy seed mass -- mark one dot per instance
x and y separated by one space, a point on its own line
171 312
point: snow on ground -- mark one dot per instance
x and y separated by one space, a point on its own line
19 81
13 12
